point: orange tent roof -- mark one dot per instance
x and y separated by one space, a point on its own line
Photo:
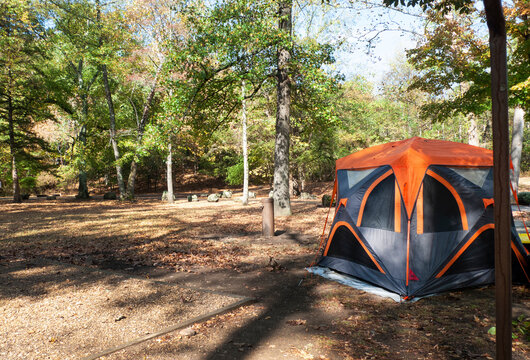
410 159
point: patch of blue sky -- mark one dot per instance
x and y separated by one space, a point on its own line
367 35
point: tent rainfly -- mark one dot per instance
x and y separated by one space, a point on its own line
416 217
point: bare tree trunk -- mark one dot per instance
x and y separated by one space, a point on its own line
501 170
244 199
169 173
291 183
82 192
112 131
84 88
517 145
282 200
141 128
301 176
131 181
110 104
473 131
13 150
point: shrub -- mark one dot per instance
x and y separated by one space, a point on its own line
46 181
524 198
68 177
27 184
111 195
326 200
234 174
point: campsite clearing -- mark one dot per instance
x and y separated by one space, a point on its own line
218 246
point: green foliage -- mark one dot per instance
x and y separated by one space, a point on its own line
453 59
24 96
314 116
28 184
442 6
525 155
232 41
234 174
205 51
521 327
367 120
67 177
453 67
326 201
518 30
236 41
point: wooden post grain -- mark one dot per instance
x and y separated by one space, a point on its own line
501 160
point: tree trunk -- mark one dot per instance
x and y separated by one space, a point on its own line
501 175
169 173
82 192
244 199
517 145
293 184
473 131
301 176
282 200
17 198
141 128
112 131
131 181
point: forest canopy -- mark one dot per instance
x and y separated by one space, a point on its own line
98 94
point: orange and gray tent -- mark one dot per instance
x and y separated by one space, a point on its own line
416 217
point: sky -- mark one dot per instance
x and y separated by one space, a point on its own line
351 26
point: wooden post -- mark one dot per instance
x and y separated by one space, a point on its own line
268 217
501 176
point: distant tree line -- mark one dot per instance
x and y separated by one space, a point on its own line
135 95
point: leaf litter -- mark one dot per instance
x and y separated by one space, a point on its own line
344 323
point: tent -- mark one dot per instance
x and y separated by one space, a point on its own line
415 217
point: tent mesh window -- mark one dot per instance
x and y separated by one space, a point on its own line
345 245
440 208
377 213
477 176
348 179
478 256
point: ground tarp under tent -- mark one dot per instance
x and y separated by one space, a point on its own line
415 217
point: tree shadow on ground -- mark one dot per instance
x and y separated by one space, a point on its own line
342 322
217 241
304 316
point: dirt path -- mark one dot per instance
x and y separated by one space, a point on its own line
302 317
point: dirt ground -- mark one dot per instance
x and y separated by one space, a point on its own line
524 183
61 311
218 246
